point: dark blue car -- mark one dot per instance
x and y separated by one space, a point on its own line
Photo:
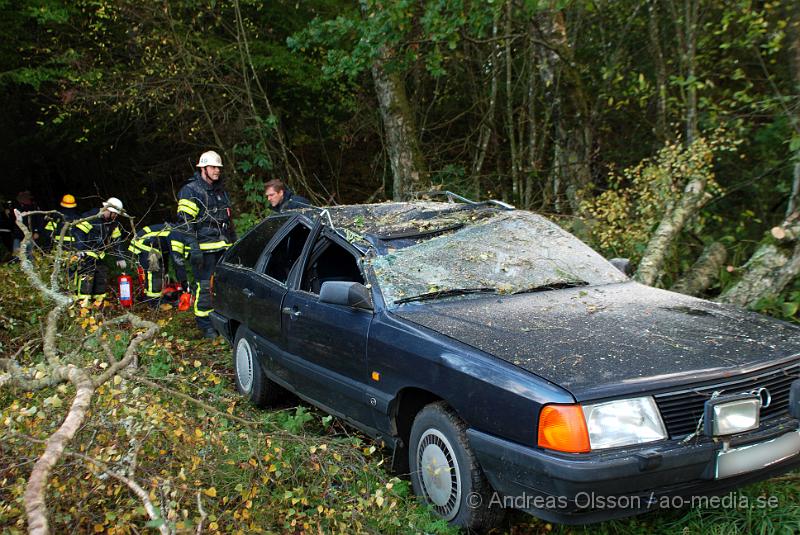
505 362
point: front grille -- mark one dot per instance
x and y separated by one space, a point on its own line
681 410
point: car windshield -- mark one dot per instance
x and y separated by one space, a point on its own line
512 252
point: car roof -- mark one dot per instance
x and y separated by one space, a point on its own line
379 223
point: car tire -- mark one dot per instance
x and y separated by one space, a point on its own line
248 375
460 493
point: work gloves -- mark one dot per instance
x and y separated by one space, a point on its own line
122 264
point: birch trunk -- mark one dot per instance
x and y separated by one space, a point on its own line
704 272
670 226
405 156
571 114
409 172
771 268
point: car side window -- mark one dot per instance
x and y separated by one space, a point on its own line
247 251
329 261
286 252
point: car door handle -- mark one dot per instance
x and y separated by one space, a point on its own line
248 293
292 312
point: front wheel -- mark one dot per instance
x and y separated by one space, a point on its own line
445 473
249 377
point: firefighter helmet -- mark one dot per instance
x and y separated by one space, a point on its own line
114 205
68 201
210 158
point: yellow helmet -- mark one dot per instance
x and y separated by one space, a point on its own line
68 201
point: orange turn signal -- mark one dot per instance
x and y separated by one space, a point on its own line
563 428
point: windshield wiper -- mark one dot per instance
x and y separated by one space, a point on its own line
446 293
552 286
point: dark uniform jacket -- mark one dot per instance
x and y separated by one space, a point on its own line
291 201
204 212
94 237
56 221
166 241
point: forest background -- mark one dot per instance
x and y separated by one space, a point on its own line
615 118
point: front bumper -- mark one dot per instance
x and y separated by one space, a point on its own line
585 488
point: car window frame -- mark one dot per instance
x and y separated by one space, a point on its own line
336 238
261 265
266 246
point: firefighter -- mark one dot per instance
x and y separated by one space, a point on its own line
155 246
92 238
67 212
204 212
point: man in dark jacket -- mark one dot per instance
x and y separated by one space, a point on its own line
92 238
282 198
204 215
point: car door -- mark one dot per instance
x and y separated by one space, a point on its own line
266 291
329 340
233 279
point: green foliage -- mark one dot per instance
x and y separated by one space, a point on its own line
294 423
161 364
785 306
625 215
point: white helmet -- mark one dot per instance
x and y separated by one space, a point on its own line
114 205
209 158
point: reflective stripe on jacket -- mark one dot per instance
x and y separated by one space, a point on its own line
205 214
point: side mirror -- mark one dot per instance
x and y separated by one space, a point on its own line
351 294
622 264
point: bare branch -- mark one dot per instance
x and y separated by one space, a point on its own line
133 346
202 512
34 497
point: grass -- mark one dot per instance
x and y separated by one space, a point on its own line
294 469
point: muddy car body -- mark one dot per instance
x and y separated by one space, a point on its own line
505 362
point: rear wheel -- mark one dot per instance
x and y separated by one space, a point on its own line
249 377
445 473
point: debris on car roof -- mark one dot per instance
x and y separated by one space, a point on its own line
388 221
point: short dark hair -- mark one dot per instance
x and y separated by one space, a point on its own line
276 184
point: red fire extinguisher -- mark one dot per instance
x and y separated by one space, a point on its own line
125 285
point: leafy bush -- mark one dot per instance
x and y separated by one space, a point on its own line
624 216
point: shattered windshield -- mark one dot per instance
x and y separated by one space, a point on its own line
512 252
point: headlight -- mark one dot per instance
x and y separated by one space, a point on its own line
623 422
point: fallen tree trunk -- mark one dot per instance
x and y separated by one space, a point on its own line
670 226
771 268
704 272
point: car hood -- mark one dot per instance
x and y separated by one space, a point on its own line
611 340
